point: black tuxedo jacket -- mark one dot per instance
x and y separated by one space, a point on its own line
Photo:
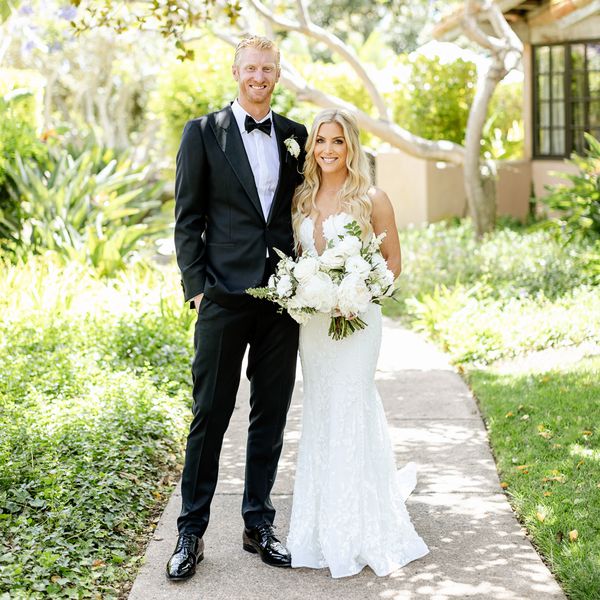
221 236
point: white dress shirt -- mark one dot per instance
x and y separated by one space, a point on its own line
263 156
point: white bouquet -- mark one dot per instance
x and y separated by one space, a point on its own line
341 282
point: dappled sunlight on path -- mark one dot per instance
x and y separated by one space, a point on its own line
477 549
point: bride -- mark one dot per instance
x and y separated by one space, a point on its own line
348 509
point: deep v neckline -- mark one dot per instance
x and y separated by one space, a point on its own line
313 232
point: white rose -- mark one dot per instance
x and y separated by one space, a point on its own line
284 286
305 268
349 246
318 293
332 259
353 295
357 264
335 225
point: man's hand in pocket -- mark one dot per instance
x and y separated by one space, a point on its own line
197 300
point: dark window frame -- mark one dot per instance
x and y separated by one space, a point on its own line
568 98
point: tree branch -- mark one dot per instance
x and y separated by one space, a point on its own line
474 32
308 28
386 131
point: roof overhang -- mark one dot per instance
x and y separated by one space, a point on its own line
532 13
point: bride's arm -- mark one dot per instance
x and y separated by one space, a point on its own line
382 219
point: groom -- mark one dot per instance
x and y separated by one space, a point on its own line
236 174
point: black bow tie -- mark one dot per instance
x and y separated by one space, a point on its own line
250 124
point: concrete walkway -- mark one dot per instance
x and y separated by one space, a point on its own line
477 548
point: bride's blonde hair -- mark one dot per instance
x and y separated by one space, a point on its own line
354 196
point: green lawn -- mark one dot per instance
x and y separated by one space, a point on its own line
544 428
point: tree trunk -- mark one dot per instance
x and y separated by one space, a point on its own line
479 177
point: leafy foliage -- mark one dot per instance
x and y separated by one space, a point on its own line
172 19
514 292
92 406
432 99
577 205
93 207
19 109
435 103
503 132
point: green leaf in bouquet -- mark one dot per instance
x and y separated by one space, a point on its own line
353 228
260 292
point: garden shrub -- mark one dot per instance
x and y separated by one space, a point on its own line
515 291
94 395
575 207
504 134
94 207
20 118
434 100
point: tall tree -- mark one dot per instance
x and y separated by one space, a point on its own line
505 49
503 46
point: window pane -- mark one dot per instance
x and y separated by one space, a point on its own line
594 83
578 141
544 142
558 59
545 114
558 141
578 114
558 114
544 87
593 56
557 87
577 57
578 84
594 112
543 56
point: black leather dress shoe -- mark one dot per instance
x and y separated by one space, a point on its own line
188 553
261 540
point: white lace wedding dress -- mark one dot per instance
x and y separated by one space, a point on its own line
348 508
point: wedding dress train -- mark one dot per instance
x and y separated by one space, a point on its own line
348 509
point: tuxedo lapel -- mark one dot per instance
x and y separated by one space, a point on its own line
281 135
229 139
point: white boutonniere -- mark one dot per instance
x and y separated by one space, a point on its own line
293 147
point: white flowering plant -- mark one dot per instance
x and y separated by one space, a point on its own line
341 282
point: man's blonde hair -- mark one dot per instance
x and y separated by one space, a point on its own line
260 43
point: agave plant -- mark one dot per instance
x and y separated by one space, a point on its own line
94 207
